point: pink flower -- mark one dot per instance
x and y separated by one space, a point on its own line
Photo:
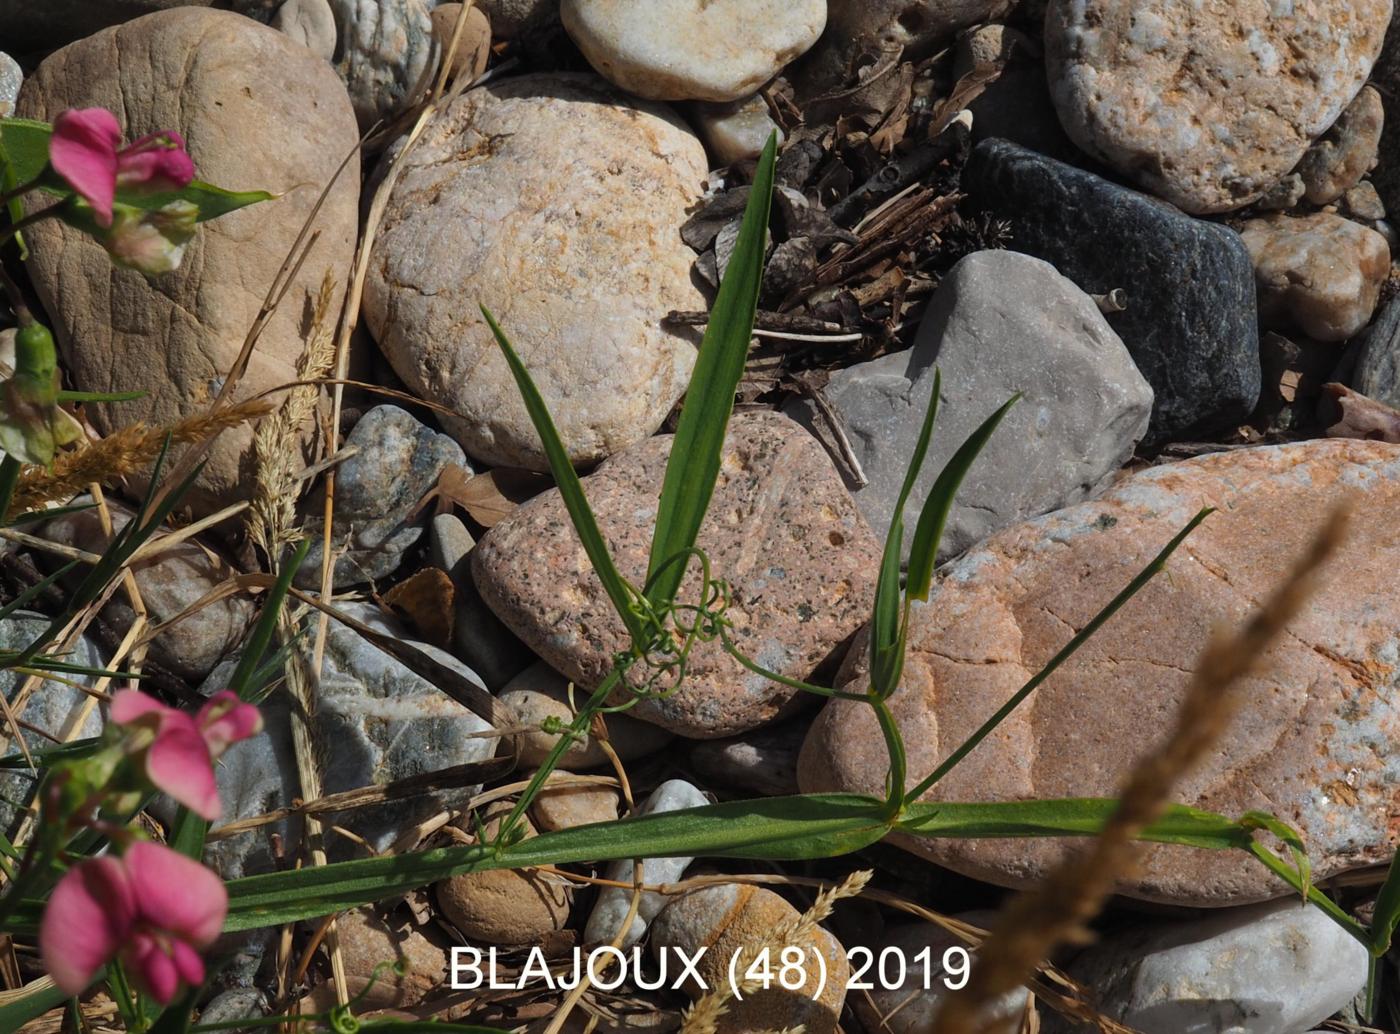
153 908
180 752
84 151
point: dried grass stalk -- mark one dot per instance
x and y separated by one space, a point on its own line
1032 924
272 516
703 1016
126 452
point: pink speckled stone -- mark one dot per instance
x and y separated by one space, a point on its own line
781 529
1313 743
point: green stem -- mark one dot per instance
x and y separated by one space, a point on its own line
1144 576
579 725
21 190
9 481
1294 879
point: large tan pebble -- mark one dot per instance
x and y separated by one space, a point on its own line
1311 742
1207 104
672 50
731 921
556 201
507 907
564 807
371 945
258 111
473 45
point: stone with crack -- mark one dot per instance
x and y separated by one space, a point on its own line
1311 742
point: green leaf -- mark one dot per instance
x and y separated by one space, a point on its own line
1387 915
928 533
100 396
694 462
15 1013
24 144
1074 816
811 826
888 622
570 488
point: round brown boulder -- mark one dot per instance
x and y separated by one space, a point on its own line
1312 742
556 202
258 111
781 529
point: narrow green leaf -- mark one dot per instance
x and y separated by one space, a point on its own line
570 488
1387 915
16 1013
694 462
1074 816
812 826
100 396
928 533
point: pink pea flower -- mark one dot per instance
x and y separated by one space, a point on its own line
179 755
153 908
85 150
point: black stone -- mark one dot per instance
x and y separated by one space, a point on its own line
1190 322
1377 370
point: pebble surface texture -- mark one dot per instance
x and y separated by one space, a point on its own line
614 903
855 26
1207 104
387 54
1319 274
580 288
377 491
1190 322
710 50
1311 743
1377 372
1000 323
204 74
1335 163
1278 968
376 722
781 529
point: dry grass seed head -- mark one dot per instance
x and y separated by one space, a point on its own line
703 1016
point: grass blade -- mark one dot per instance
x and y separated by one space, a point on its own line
567 481
928 533
1112 607
1387 915
695 453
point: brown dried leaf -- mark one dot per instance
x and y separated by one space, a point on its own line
965 91
489 498
427 600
